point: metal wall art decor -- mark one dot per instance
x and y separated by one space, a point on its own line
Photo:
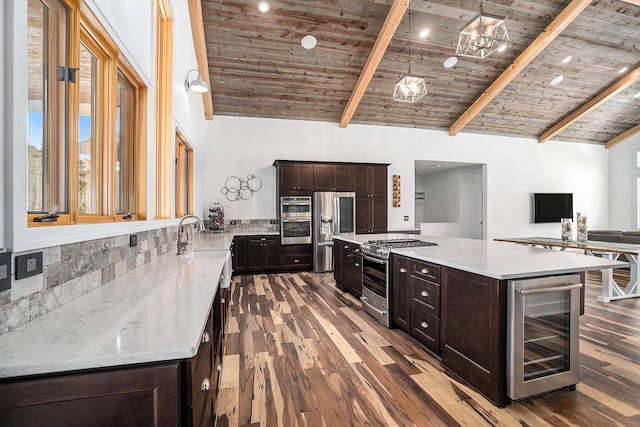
396 191
239 189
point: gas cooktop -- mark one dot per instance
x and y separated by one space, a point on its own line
382 248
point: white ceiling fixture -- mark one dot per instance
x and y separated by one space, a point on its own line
308 42
556 80
424 33
622 70
450 62
482 36
195 85
264 6
409 88
567 59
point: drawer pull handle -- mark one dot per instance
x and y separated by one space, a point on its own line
424 293
219 367
403 270
222 300
345 247
205 337
263 238
296 260
206 384
356 250
424 271
356 264
424 325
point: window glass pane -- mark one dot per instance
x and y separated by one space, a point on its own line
87 143
125 146
46 134
185 180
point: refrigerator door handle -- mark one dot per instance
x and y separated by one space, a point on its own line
325 243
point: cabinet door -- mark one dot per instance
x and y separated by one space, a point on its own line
343 178
378 181
289 176
323 177
148 396
378 215
239 253
338 269
401 291
271 257
363 215
362 178
356 275
473 322
255 256
305 177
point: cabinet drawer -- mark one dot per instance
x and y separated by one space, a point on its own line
426 296
348 246
426 329
297 250
426 270
263 239
295 261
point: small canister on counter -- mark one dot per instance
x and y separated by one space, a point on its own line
565 229
581 226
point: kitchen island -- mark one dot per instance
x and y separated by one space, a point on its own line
145 347
452 298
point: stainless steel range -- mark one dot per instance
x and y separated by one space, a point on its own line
375 274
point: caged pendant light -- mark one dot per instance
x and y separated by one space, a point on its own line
482 36
409 88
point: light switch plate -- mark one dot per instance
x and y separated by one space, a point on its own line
133 240
28 265
5 271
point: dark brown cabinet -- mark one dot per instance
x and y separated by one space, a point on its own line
239 254
296 257
262 253
295 178
401 293
347 268
333 177
371 198
172 393
474 323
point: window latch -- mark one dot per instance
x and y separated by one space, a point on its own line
66 74
49 217
127 216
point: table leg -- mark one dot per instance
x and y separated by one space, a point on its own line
610 288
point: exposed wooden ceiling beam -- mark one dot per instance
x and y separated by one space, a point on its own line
591 105
626 135
197 28
394 17
554 29
636 2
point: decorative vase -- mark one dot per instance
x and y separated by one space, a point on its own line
581 226
565 226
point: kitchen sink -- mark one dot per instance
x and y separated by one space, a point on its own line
225 278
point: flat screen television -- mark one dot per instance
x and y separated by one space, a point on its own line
552 207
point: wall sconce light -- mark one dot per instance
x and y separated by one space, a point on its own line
197 84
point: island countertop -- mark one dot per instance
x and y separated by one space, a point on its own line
499 260
153 313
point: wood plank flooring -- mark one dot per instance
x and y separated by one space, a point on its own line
299 352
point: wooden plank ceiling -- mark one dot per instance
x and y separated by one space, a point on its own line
258 68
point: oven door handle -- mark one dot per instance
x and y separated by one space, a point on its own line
296 219
547 290
372 306
376 260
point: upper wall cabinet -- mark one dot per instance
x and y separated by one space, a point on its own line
339 177
371 180
295 178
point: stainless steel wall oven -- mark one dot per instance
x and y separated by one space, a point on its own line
542 340
295 220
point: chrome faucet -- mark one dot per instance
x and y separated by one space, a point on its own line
183 239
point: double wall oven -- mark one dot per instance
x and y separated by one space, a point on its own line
295 220
376 279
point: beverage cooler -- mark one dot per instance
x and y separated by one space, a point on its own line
543 340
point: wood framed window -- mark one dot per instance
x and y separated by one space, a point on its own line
184 176
87 128
163 105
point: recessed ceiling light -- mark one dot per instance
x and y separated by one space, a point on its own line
503 47
263 6
556 80
308 42
567 59
450 62
636 95
423 33
622 70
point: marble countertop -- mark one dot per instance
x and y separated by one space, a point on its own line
499 260
156 312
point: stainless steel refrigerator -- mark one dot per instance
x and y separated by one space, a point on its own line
333 213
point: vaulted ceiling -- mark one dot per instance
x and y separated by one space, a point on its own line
258 68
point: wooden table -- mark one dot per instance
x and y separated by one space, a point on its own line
611 290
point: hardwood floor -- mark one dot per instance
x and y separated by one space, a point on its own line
300 352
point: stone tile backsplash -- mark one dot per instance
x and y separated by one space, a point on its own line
74 269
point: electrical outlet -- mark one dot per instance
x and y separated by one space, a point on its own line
233 222
406 217
5 271
273 221
133 240
28 265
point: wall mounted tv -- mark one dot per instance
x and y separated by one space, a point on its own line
552 207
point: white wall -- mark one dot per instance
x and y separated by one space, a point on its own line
131 25
516 167
623 173
4 28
